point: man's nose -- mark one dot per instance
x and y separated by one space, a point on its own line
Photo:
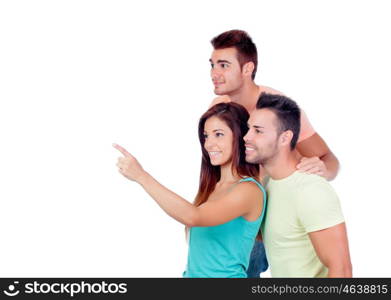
214 73
246 138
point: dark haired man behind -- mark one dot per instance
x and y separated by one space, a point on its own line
234 63
304 231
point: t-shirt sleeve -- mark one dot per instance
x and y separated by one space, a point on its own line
306 129
318 206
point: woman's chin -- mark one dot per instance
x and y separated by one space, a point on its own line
214 163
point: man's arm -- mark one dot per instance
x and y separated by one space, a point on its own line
318 158
331 246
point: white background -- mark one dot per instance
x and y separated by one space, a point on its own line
76 76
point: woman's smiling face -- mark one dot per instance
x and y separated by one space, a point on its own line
218 141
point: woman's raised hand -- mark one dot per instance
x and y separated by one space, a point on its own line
128 165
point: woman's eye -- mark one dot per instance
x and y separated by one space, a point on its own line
205 136
224 66
219 134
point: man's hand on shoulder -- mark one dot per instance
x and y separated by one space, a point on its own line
318 158
313 165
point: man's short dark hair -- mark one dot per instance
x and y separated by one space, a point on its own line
286 111
242 42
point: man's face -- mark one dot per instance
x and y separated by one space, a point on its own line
226 71
261 140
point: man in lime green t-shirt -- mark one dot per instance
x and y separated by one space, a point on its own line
304 231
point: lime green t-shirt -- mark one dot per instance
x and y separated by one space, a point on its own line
298 204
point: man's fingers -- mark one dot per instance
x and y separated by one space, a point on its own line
303 159
122 150
307 168
308 161
305 164
313 170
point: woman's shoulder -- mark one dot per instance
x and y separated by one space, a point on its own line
252 180
249 185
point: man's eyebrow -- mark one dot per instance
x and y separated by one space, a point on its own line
255 126
223 61
219 61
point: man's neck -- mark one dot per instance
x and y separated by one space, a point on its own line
247 95
282 166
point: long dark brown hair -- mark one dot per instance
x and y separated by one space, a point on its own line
236 117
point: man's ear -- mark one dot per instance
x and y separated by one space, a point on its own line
286 138
248 68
